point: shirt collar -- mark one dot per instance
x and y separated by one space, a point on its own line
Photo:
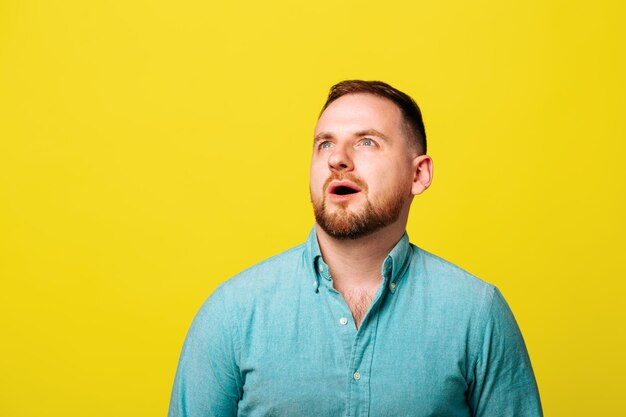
392 270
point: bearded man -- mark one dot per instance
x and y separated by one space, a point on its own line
357 321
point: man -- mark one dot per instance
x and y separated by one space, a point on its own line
357 321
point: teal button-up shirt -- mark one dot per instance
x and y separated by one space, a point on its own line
279 340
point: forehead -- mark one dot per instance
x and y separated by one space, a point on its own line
356 112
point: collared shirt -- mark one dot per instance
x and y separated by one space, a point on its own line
279 340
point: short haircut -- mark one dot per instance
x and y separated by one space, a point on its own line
414 125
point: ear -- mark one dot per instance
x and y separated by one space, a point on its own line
422 174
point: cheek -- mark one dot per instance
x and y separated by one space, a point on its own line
317 178
390 178
319 168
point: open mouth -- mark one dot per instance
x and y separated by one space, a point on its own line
344 189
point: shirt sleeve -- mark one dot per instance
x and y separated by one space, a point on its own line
208 381
503 381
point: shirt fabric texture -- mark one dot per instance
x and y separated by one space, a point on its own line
279 340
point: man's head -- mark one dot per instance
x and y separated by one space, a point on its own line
412 116
368 159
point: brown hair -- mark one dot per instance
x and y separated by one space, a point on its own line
414 125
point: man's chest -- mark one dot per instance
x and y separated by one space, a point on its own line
312 361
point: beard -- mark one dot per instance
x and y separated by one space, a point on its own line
344 224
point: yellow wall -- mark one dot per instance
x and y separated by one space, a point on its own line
149 150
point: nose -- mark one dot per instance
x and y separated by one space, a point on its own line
340 159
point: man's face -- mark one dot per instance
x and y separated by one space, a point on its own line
361 169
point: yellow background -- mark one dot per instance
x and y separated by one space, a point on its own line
149 150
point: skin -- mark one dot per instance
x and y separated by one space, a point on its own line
359 137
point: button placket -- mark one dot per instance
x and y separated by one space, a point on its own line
361 361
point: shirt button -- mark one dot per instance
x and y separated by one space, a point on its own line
392 287
315 284
321 268
343 321
357 376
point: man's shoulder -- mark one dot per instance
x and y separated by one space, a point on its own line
277 271
442 276
450 292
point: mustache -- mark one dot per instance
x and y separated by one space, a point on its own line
345 176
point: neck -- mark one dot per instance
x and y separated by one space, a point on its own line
356 263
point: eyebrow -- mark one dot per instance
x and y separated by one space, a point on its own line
371 132
361 133
322 136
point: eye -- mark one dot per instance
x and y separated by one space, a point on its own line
368 142
324 145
